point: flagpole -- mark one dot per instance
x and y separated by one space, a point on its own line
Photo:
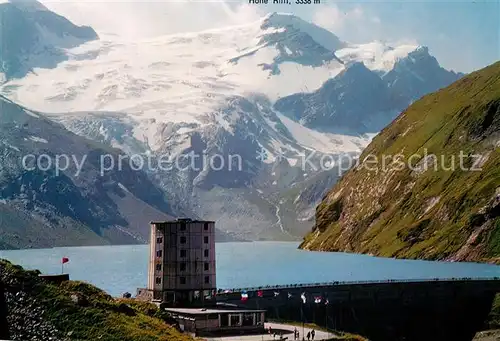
326 320
302 318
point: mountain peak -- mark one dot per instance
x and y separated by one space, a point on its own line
420 55
357 71
28 6
292 25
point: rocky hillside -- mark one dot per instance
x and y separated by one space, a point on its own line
90 198
38 311
76 203
428 185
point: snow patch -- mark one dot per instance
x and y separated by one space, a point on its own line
11 146
324 142
31 113
38 139
123 187
375 55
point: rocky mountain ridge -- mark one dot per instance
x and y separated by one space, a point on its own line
234 92
31 36
438 196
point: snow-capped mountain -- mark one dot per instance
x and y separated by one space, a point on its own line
278 101
337 107
32 36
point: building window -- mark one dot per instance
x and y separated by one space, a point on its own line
206 267
158 267
206 253
183 253
159 240
235 320
183 266
205 227
182 280
158 253
158 280
183 240
183 226
207 279
205 239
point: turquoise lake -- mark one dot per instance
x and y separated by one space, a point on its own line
118 269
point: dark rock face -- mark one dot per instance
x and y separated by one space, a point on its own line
81 207
348 103
418 74
32 36
359 100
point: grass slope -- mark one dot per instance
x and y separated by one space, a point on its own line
81 312
426 211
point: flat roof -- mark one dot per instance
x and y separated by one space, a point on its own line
182 220
202 311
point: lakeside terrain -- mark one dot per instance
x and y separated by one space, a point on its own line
429 210
76 311
36 310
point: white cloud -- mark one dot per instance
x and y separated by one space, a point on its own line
138 19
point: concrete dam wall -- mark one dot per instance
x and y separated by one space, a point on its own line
387 311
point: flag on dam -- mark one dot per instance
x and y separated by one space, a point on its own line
244 296
260 293
317 299
303 297
289 295
276 294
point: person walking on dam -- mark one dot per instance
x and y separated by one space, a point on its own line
312 334
308 336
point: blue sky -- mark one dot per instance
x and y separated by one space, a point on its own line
463 35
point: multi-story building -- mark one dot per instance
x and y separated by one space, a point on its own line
182 263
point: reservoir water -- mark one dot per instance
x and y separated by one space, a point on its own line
118 269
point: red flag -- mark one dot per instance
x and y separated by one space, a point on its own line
65 260
260 293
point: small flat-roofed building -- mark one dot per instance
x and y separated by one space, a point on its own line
217 321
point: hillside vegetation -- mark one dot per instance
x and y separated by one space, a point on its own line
76 311
398 202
